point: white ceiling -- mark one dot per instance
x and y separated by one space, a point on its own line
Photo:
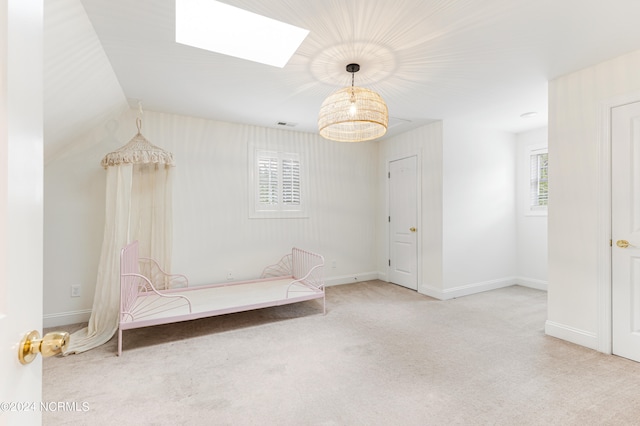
485 61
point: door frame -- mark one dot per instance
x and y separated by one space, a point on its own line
605 283
419 237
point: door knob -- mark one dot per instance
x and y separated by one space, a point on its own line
51 344
412 229
622 243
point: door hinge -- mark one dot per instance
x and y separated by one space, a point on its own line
389 262
610 243
389 175
389 218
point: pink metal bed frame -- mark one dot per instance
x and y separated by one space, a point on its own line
155 297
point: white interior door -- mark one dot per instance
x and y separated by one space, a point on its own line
403 222
21 203
625 215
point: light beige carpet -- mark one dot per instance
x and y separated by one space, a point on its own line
382 355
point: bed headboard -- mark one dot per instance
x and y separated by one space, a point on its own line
129 264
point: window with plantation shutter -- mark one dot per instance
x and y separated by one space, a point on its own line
539 179
277 183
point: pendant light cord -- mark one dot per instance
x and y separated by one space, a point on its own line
139 118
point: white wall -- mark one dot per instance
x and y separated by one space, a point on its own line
531 229
479 231
81 91
212 232
467 203
577 309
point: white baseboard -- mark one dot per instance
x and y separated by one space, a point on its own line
571 334
466 290
431 292
532 283
65 318
350 279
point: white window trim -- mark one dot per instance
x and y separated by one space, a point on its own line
529 209
259 211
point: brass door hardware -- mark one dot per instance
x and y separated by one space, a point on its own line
51 344
622 243
412 229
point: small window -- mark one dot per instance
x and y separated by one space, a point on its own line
277 185
539 180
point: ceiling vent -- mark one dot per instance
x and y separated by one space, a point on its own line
286 124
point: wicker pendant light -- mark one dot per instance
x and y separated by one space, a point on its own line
353 114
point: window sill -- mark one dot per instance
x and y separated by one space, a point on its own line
278 215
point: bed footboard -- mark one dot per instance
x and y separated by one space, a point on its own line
139 298
307 269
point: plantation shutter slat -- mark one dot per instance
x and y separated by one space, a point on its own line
290 182
268 180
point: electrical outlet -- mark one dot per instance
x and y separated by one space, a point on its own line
75 291
333 264
229 276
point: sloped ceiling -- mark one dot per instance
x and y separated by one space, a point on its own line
80 87
485 61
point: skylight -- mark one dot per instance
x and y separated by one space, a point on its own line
221 28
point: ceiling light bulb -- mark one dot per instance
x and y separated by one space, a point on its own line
353 109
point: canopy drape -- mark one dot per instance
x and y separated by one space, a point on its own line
138 207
